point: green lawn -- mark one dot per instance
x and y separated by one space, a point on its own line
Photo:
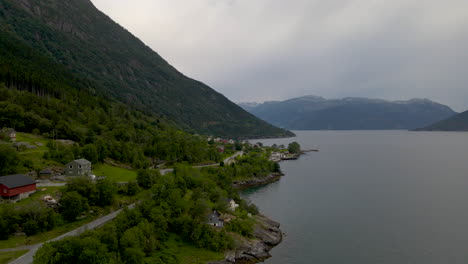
114 173
33 140
189 254
41 191
6 257
35 155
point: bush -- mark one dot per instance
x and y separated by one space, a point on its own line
73 204
132 188
30 227
146 178
243 227
106 190
133 256
294 147
9 159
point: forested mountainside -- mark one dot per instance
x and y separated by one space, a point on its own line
69 49
317 113
457 122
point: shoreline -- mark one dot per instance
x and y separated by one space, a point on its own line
267 232
254 182
267 235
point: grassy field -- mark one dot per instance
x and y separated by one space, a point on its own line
35 155
114 173
6 257
41 191
38 141
189 254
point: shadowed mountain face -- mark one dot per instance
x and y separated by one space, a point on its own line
57 45
317 113
457 122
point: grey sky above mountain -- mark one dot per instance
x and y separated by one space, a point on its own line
274 49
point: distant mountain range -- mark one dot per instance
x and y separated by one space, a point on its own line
318 113
457 122
68 49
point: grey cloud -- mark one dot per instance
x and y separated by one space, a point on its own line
275 49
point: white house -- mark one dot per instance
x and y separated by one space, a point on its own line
232 204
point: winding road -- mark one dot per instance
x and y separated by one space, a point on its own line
229 160
29 257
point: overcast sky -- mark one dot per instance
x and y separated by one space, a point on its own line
257 50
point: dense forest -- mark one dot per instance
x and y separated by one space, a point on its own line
70 50
84 87
177 204
101 129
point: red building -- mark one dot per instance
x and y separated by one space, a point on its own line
17 186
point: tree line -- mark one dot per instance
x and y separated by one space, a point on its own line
177 205
101 130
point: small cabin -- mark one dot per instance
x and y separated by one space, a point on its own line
16 187
79 167
214 219
46 173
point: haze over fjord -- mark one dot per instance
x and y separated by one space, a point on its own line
274 50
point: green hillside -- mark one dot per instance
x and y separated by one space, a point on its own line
68 49
458 122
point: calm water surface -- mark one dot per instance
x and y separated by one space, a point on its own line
371 197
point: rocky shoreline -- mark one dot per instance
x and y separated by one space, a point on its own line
267 235
254 182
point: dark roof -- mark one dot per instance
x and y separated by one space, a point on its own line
45 172
82 161
17 180
213 218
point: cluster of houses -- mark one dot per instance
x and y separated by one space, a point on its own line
220 140
277 156
19 186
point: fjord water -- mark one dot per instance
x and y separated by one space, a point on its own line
380 197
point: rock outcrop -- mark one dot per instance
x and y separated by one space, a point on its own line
244 184
267 235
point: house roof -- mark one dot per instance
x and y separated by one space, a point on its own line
82 161
17 180
213 218
46 171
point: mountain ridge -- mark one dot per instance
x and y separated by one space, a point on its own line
354 113
105 59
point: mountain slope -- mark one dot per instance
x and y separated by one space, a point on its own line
458 122
317 113
80 48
